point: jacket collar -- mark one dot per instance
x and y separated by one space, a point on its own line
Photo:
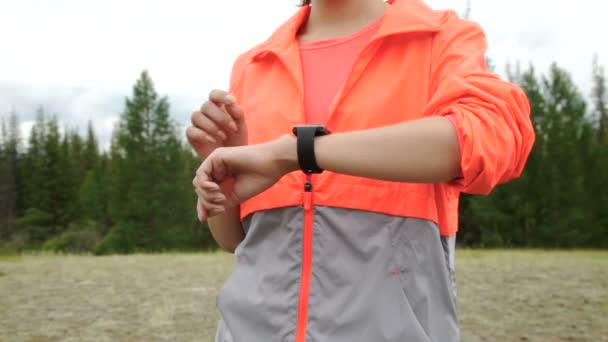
403 16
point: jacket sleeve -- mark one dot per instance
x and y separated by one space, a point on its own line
492 116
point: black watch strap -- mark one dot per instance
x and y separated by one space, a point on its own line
306 146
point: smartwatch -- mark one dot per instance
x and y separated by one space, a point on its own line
306 146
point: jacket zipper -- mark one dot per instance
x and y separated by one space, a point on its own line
306 261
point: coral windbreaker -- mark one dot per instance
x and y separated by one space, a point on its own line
420 63
339 258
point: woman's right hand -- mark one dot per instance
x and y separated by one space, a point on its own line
218 123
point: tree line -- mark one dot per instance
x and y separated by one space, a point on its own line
61 192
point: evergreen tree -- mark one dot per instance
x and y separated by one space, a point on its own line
76 154
35 192
599 96
69 162
563 128
91 203
37 222
90 156
90 197
597 174
33 161
14 155
147 191
4 184
4 136
104 172
53 171
9 180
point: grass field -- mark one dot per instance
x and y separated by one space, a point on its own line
503 296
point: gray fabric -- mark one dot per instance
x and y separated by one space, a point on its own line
374 278
259 301
449 249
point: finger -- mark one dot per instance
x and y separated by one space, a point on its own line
204 213
221 97
213 210
221 118
209 206
200 211
210 186
217 199
201 135
210 128
235 112
211 192
199 139
206 199
211 196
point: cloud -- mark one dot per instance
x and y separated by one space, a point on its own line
74 106
79 59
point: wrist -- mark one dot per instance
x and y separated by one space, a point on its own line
285 153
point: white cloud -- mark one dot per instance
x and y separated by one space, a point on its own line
80 58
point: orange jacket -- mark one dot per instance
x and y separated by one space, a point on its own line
420 63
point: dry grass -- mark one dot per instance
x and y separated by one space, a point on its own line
503 295
533 296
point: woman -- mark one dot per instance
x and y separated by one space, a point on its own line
347 231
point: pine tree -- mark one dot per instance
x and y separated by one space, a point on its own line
9 178
4 184
14 154
35 192
76 152
90 197
4 136
91 200
597 174
54 170
146 166
104 172
564 125
38 223
90 156
599 96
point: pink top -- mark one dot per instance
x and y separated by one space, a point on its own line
325 67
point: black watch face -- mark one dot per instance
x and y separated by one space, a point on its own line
318 129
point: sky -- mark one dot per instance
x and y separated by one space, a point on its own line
79 59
